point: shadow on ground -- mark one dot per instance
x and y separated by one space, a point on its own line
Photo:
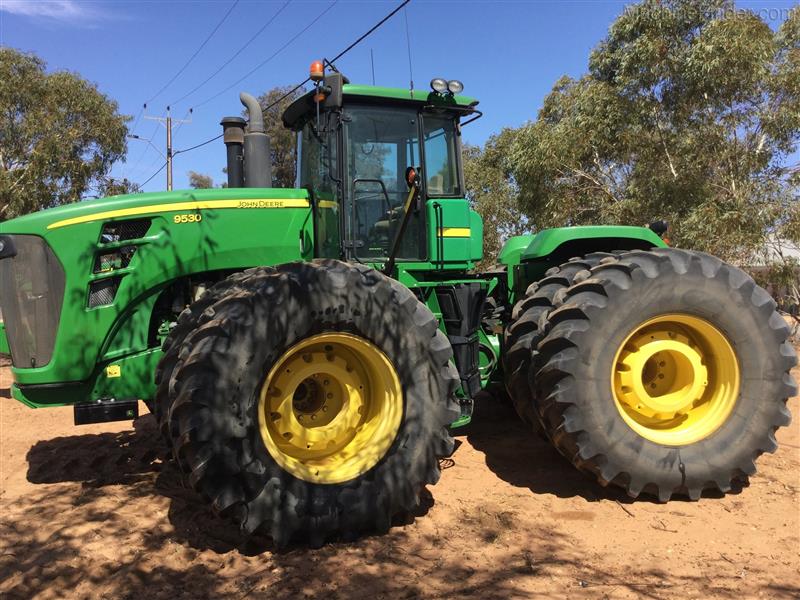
525 459
108 547
107 537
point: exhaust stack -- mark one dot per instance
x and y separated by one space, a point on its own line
257 163
233 136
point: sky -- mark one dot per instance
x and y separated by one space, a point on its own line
508 55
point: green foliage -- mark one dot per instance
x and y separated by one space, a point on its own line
59 135
283 142
110 186
690 111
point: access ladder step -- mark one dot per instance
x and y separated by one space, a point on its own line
105 411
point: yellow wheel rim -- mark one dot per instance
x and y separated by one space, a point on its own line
675 379
330 408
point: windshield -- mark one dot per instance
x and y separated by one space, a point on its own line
381 144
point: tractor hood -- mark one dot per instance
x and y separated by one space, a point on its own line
78 282
132 205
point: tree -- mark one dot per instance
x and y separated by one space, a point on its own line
110 186
690 111
59 135
493 194
200 181
283 143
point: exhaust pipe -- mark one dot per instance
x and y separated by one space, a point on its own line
257 163
233 136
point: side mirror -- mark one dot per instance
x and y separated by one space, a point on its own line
334 87
412 177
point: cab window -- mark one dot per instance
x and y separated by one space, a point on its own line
441 167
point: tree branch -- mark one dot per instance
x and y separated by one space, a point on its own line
583 174
664 146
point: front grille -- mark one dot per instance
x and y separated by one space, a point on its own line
102 293
120 231
114 259
31 294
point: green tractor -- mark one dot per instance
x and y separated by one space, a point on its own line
306 352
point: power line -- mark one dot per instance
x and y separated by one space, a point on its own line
287 94
273 55
341 54
144 151
237 53
214 139
168 122
139 115
183 120
307 79
138 118
161 168
196 52
373 28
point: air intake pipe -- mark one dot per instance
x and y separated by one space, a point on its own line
233 136
257 163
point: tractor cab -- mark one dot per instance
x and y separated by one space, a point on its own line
381 165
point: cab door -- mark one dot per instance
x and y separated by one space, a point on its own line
380 144
318 170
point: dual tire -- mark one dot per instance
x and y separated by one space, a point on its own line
526 329
663 371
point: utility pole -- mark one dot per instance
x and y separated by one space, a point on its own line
167 122
169 152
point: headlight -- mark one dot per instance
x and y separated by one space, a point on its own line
455 86
439 85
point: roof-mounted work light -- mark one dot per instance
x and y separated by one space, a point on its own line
439 85
442 86
454 86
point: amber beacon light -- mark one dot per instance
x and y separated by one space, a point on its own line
317 71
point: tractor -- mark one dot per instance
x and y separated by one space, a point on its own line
307 352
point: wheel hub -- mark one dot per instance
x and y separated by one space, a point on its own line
661 374
330 408
675 379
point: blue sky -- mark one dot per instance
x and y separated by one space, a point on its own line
508 54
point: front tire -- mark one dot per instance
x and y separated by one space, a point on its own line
664 372
186 323
313 402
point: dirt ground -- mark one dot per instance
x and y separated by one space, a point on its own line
94 512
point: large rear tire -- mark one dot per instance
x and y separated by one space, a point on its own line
313 402
524 333
664 372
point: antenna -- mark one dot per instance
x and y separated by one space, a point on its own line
408 45
372 62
